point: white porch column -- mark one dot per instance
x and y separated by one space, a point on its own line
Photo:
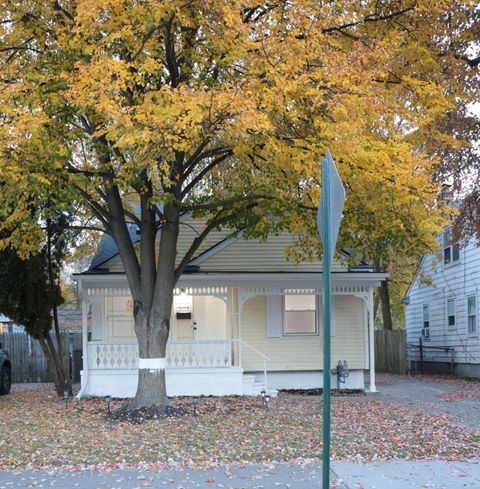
371 336
239 323
85 307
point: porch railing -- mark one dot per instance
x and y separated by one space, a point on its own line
180 354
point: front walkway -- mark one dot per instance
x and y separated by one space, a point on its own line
455 396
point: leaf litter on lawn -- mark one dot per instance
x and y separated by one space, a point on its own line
39 431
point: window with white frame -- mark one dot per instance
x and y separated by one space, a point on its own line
451 312
426 321
472 314
451 249
300 314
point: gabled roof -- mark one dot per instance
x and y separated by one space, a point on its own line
108 248
223 251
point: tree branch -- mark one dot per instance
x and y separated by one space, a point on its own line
202 173
100 213
170 56
192 162
222 203
67 14
368 18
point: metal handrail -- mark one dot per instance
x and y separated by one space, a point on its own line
268 359
264 357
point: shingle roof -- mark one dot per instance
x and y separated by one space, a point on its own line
108 248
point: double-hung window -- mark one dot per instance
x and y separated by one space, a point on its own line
300 315
451 313
472 314
451 249
426 321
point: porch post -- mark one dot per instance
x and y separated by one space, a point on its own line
84 374
240 302
371 334
229 321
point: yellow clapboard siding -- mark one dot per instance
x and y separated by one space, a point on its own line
304 352
260 256
240 255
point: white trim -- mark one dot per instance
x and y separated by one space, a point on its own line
371 334
288 280
86 303
447 300
318 314
213 250
472 334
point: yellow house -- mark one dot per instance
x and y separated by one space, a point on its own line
244 319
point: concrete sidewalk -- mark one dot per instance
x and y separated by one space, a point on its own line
249 476
406 474
400 474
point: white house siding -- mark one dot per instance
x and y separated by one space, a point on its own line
305 352
458 280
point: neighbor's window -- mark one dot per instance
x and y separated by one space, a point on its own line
451 312
299 314
451 249
472 313
426 316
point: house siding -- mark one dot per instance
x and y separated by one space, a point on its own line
240 255
305 352
458 281
261 256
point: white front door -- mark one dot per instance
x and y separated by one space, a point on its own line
209 318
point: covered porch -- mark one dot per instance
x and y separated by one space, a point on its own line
210 350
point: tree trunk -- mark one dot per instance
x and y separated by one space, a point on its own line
55 365
152 318
151 390
386 311
53 289
376 303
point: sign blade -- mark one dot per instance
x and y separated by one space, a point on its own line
337 201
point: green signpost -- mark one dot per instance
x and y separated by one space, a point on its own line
329 216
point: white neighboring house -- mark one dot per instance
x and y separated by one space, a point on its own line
442 309
244 319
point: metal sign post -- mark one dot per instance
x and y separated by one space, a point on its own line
328 222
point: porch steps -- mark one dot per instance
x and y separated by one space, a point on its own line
252 387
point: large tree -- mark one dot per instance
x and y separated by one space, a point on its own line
30 294
138 111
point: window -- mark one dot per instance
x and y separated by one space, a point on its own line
451 312
426 317
451 249
300 315
472 314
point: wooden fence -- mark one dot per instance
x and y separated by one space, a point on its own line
391 351
28 361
